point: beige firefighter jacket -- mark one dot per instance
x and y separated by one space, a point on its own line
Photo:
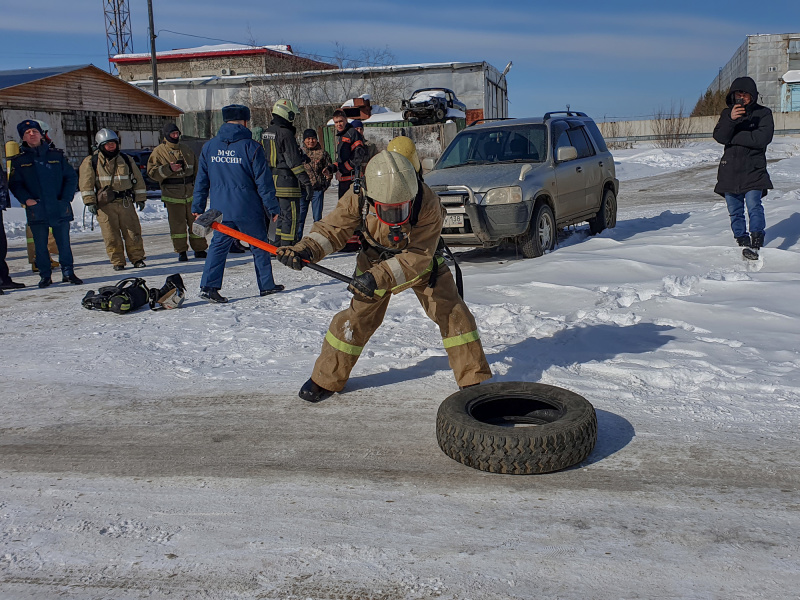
393 274
115 172
174 184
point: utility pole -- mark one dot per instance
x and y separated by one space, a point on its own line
152 48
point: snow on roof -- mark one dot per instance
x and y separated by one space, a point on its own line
211 49
791 76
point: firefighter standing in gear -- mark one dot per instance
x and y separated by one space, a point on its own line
350 152
401 220
174 166
288 168
111 169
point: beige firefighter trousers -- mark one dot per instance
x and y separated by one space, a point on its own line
180 217
118 221
350 330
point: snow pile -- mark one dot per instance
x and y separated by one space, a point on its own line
647 160
141 453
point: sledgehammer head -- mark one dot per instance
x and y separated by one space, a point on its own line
202 225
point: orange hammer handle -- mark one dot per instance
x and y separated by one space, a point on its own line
235 233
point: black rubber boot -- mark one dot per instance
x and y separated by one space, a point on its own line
200 254
182 257
212 295
743 240
278 288
44 282
139 264
757 239
73 279
311 392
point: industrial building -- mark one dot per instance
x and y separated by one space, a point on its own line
773 61
76 101
478 84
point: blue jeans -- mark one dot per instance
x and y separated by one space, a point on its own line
61 236
316 210
755 212
218 252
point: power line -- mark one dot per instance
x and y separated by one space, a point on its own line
301 54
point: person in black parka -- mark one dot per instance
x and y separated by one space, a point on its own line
44 183
746 129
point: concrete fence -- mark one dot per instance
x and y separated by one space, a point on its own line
695 128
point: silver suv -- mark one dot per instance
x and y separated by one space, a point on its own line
520 180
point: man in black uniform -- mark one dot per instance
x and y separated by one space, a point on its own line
288 169
350 152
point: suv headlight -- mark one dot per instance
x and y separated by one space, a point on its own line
504 195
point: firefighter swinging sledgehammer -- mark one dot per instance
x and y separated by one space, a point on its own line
401 222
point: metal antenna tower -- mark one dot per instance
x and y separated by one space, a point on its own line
118 30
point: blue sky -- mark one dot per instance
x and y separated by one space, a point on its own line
620 59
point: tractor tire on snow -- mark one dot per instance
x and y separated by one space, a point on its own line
517 428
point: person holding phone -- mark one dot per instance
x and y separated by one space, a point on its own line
745 128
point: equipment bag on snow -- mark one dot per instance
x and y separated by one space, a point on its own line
170 296
124 297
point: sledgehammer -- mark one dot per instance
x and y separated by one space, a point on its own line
212 219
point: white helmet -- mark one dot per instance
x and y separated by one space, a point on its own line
105 135
391 183
285 108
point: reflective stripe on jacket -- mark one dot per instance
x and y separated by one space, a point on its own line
284 158
414 260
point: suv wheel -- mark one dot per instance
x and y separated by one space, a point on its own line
606 217
541 235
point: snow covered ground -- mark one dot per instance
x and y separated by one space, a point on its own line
166 454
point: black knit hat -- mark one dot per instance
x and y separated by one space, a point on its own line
28 124
168 129
235 112
309 133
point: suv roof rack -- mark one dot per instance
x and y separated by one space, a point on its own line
476 121
569 113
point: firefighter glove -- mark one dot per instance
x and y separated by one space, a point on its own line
294 259
140 206
92 208
309 192
363 285
332 169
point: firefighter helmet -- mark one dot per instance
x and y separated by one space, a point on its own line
285 108
104 136
391 183
405 146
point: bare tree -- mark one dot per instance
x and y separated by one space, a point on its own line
319 94
616 134
671 126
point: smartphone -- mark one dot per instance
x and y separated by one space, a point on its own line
739 101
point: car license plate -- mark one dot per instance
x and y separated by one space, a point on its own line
453 221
